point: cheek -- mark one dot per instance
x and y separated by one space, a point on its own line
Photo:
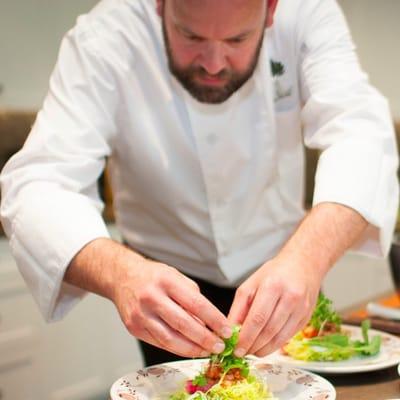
186 55
240 59
183 54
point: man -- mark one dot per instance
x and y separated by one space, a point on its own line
202 107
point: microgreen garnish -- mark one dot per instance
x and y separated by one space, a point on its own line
200 380
324 313
226 360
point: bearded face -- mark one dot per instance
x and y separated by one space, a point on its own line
213 47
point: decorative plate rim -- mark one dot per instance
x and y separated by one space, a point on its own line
317 386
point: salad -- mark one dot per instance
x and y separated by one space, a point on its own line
225 377
324 339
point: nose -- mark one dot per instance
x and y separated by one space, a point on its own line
214 58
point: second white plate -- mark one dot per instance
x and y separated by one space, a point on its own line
388 356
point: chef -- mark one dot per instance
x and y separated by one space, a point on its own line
202 109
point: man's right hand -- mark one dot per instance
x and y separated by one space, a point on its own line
157 303
161 306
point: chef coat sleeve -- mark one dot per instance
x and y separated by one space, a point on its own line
349 122
50 203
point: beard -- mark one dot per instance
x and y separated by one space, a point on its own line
204 93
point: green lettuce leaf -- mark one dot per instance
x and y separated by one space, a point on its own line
334 347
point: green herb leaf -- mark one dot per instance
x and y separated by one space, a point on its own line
200 380
365 325
333 347
227 359
371 348
324 313
333 340
231 342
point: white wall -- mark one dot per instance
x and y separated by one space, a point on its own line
30 35
31 30
376 32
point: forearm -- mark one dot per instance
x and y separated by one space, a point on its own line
97 266
323 236
156 303
278 299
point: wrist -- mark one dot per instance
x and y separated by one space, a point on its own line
297 257
128 264
322 237
99 266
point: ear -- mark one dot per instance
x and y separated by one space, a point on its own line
271 7
159 7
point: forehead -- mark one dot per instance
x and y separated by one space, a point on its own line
216 17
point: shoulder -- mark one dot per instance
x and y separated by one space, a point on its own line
296 18
117 28
301 26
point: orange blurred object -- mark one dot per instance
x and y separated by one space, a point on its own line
309 332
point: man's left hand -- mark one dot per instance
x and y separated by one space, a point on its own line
273 304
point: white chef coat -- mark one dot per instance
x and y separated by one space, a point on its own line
214 190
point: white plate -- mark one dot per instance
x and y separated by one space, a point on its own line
162 380
388 356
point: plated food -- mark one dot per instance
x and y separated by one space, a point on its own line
325 339
224 377
158 382
327 346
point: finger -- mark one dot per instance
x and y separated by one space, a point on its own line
290 329
196 288
241 305
287 312
144 335
279 318
150 328
140 332
173 341
264 303
294 324
179 320
199 306
191 282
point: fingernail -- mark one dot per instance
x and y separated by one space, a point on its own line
226 332
204 354
240 352
218 347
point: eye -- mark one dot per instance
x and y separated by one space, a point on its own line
236 40
194 38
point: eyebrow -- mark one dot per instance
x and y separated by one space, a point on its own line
188 32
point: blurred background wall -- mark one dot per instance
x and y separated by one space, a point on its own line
376 32
30 35
31 30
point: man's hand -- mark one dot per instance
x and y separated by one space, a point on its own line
161 306
273 304
278 299
156 303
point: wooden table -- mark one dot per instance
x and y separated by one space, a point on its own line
379 385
